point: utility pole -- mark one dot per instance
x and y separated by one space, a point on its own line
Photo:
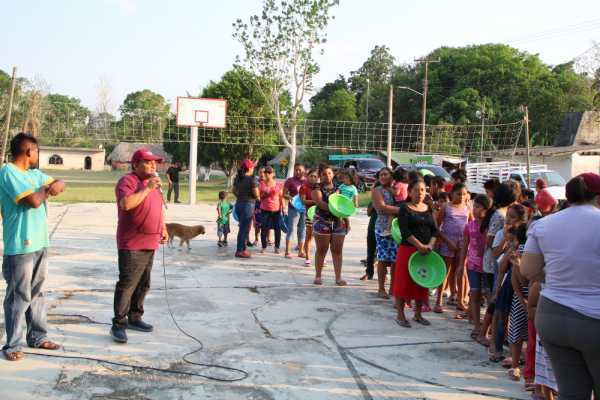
425 90
8 114
527 146
389 138
367 107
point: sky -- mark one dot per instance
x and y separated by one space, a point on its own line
178 46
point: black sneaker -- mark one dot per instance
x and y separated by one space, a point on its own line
118 334
249 244
140 325
224 242
220 243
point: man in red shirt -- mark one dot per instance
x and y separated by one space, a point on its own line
140 229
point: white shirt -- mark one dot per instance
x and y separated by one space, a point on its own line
570 244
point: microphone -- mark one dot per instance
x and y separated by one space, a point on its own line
161 192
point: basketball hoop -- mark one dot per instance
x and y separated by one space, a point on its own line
201 112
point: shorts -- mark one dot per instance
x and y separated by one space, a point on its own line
222 229
480 281
326 227
386 248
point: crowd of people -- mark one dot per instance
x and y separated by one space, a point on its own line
520 266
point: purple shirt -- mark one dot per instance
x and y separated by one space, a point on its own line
139 228
292 185
476 246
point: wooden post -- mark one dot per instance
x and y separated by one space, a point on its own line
9 114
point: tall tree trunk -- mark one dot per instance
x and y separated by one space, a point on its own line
293 151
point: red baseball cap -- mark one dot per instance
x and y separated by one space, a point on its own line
247 164
145 155
592 181
541 183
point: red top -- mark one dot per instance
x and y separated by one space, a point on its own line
306 191
448 187
293 185
141 227
272 200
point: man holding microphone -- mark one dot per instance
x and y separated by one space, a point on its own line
141 228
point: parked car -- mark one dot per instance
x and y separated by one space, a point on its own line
365 168
434 169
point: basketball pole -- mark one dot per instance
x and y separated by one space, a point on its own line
193 163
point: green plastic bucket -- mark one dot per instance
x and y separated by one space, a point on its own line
396 235
311 212
341 206
428 270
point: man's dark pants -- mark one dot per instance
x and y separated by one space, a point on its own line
173 187
135 267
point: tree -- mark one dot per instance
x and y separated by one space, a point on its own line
340 106
64 120
144 116
279 47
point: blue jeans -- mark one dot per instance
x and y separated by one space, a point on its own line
24 301
295 218
244 211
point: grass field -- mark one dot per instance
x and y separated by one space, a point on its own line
99 187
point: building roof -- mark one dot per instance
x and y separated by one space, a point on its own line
124 151
59 149
585 150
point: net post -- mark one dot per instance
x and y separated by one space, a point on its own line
193 163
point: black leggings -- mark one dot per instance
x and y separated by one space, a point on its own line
270 220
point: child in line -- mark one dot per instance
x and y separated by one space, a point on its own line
347 189
312 180
544 381
453 218
224 209
517 324
472 251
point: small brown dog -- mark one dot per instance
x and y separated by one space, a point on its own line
183 232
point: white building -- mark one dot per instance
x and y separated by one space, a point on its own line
52 157
576 149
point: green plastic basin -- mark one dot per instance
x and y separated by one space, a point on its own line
428 270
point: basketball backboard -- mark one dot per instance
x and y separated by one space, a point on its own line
201 112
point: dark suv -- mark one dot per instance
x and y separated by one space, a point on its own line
434 169
366 168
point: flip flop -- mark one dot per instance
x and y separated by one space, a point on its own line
422 321
341 282
438 309
383 295
318 281
48 345
288 256
307 263
496 359
483 341
13 355
474 334
404 324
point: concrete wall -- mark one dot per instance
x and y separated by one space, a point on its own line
583 164
72 158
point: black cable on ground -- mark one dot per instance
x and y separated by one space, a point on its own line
244 374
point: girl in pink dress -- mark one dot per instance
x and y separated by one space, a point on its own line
453 218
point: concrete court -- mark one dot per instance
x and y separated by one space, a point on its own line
263 315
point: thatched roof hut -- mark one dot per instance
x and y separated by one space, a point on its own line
123 152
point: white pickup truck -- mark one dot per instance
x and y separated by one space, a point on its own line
478 173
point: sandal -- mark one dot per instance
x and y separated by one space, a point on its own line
507 362
422 321
287 255
382 294
460 315
438 309
485 342
13 355
496 358
425 308
474 334
403 323
48 345
341 282
307 263
301 255
514 374
318 281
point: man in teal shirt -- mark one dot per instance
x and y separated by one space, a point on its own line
24 190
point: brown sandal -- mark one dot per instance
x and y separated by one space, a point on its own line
13 355
48 345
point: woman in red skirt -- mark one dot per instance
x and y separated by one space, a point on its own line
419 232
